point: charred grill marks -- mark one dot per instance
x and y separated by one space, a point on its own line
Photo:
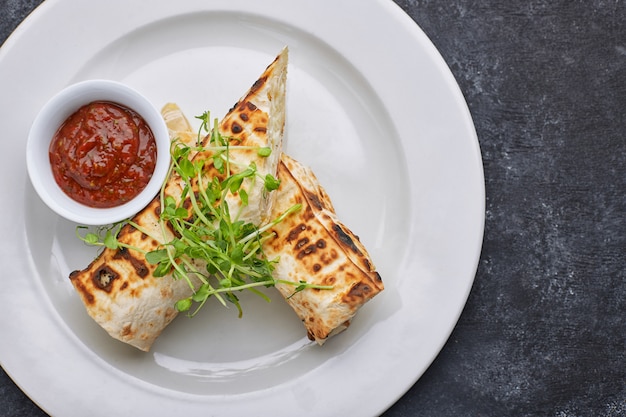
103 278
345 239
295 232
236 128
258 84
140 267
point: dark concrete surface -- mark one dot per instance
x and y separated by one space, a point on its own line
544 329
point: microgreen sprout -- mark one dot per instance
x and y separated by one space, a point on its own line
218 254
105 236
230 249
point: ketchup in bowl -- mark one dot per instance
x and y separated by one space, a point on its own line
103 155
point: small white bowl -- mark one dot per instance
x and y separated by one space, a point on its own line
50 118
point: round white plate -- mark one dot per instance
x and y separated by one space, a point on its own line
372 108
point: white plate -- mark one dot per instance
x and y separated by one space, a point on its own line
372 108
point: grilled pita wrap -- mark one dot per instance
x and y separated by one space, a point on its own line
312 245
118 288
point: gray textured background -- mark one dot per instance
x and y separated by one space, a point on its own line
544 329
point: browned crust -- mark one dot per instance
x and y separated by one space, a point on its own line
314 246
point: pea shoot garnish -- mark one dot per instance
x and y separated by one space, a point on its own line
218 253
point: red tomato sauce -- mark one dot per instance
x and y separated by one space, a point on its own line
103 155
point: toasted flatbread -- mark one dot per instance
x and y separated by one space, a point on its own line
118 288
312 245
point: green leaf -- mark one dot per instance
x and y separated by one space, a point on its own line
183 305
186 169
91 238
237 255
156 256
181 213
224 265
271 182
236 228
110 241
162 269
243 195
264 152
235 184
201 294
179 246
211 269
180 152
218 163
221 245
